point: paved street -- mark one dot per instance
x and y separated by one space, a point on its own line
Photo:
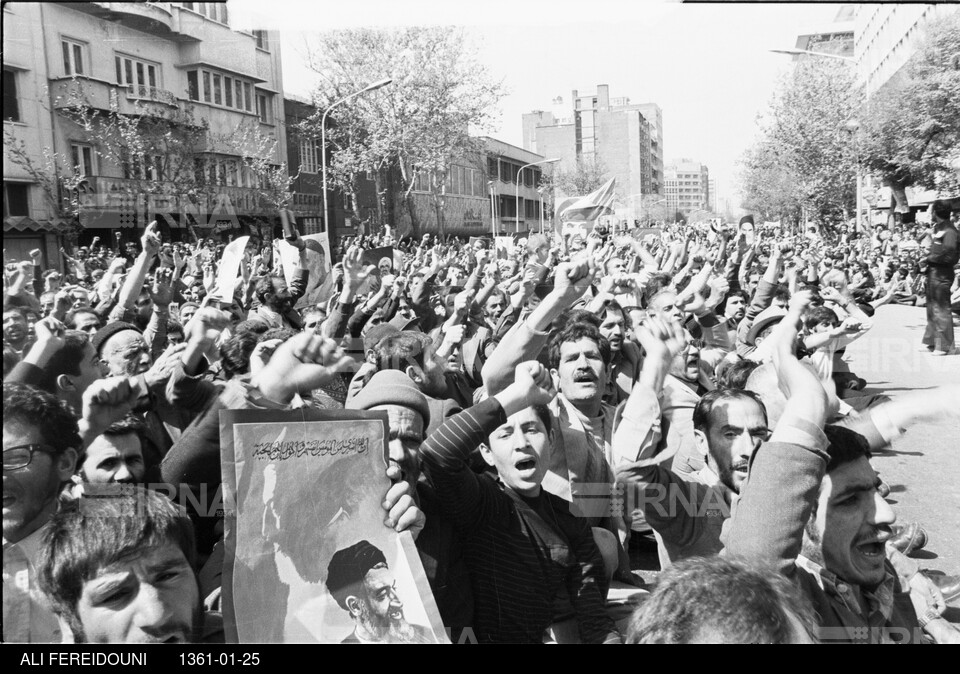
923 468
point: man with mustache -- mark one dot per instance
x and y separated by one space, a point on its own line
694 517
277 299
580 465
811 506
361 582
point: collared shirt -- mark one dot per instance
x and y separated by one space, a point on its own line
879 601
581 460
27 617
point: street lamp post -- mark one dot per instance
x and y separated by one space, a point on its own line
323 142
540 192
853 126
520 177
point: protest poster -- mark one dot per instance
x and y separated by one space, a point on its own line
287 256
504 247
320 281
306 549
383 258
229 269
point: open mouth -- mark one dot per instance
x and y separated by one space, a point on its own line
873 550
525 465
584 378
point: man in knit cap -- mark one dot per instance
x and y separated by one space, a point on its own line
439 543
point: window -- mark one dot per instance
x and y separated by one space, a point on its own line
217 11
310 159
261 37
263 108
82 156
422 182
218 89
233 172
142 76
11 101
492 169
16 199
72 57
141 167
193 85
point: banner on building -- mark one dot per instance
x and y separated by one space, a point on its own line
307 555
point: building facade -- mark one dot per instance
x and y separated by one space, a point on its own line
885 37
687 186
625 139
480 195
174 66
836 37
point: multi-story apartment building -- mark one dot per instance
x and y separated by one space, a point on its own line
834 38
687 186
480 194
885 37
180 62
304 163
625 139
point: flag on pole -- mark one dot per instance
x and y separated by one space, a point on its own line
590 207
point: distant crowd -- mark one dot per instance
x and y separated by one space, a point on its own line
556 403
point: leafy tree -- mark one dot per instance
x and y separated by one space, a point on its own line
161 149
58 181
805 159
405 134
588 175
911 126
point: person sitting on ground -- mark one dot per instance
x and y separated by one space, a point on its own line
811 507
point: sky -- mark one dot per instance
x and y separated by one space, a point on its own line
708 66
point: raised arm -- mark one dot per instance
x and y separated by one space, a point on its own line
785 473
134 281
446 452
527 338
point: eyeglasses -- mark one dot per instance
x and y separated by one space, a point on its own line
19 457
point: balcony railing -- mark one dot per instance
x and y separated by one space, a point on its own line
141 92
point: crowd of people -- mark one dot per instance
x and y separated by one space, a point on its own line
552 405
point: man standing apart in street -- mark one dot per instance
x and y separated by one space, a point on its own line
944 254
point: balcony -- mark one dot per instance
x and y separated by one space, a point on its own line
154 18
140 92
100 194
